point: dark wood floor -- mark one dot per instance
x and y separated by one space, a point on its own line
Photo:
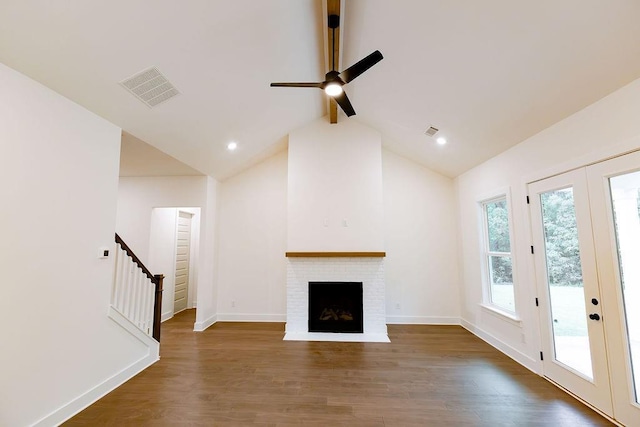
239 374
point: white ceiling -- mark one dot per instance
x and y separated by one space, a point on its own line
488 74
137 158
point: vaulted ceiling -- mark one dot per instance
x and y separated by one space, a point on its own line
488 74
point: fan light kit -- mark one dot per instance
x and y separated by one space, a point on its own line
334 80
333 89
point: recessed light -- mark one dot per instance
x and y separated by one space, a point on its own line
441 140
232 146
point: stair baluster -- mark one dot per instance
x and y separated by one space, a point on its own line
137 294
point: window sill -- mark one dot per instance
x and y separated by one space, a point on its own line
502 314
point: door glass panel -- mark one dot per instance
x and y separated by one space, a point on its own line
564 279
625 193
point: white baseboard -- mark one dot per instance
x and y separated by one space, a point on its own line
422 320
81 402
526 361
166 316
201 326
244 317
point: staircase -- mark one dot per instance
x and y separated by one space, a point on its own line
136 293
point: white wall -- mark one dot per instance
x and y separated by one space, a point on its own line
608 127
162 246
137 198
208 261
252 243
419 236
335 175
421 267
58 181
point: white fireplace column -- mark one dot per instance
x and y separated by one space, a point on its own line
334 212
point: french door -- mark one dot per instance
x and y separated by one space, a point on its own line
573 341
615 192
586 235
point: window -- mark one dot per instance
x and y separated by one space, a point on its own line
499 292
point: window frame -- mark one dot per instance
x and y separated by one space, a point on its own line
487 254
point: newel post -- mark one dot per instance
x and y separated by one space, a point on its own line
157 306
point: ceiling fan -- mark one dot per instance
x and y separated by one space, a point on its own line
334 80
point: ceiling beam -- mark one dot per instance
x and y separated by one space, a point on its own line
333 51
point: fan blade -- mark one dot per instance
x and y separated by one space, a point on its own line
318 85
345 104
361 66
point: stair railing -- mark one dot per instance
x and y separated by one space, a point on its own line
137 294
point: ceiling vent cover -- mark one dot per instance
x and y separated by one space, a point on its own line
150 87
431 131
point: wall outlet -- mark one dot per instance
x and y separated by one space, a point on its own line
233 304
345 223
397 306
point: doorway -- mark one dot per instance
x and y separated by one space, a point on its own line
182 268
586 235
174 251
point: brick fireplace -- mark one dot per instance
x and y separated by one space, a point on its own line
366 269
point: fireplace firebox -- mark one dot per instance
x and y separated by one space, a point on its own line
335 307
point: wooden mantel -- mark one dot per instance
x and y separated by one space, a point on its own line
335 254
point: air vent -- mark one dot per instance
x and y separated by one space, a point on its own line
431 131
150 87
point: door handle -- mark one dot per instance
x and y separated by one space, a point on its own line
594 316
